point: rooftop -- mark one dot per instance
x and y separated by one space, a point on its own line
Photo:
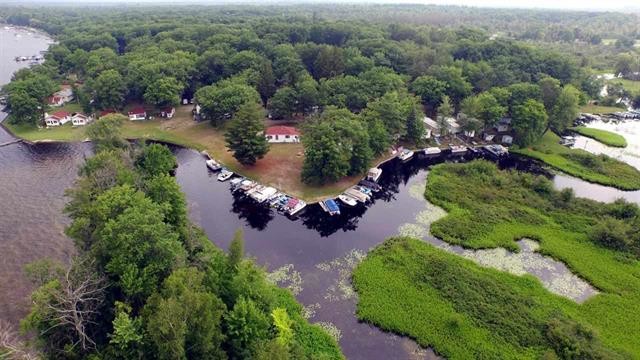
282 130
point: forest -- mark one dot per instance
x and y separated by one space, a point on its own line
367 79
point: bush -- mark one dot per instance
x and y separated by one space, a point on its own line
611 233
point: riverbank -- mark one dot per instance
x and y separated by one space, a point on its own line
280 168
603 136
496 313
598 169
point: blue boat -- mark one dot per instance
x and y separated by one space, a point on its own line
330 206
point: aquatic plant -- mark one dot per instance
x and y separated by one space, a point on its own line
286 276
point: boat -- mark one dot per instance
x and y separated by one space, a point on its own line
213 165
263 194
361 197
371 185
294 206
374 174
330 206
432 151
347 200
235 182
405 155
363 189
496 151
458 149
224 175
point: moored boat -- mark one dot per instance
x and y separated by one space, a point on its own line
357 195
405 155
225 175
458 149
330 206
374 174
432 151
294 206
263 194
213 165
347 200
371 185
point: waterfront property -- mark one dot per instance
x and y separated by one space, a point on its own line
137 113
168 112
431 127
80 119
57 118
282 134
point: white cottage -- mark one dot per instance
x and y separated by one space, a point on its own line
282 134
137 113
57 118
431 127
80 119
168 112
452 126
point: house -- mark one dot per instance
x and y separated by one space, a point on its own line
452 126
59 98
55 101
168 112
137 113
470 133
504 125
507 139
80 119
282 134
57 118
431 127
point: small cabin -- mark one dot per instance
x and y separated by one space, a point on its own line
452 126
57 118
503 125
55 101
282 134
80 119
507 139
168 112
137 113
431 127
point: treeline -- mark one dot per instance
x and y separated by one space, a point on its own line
298 65
147 284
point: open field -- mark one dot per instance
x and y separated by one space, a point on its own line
629 85
279 168
599 169
603 136
467 311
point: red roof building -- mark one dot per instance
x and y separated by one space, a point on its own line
137 113
61 114
282 134
107 112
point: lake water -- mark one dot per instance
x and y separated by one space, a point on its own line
312 255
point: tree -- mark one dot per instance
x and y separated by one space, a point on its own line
266 81
24 108
549 90
430 90
415 126
247 326
245 134
155 159
284 103
127 337
457 85
221 101
529 122
236 251
324 157
283 323
392 109
484 107
566 109
106 133
162 189
165 91
109 90
329 62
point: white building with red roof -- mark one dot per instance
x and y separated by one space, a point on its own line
282 134
57 118
137 113
80 119
168 112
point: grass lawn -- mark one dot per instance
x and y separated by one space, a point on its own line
629 85
279 168
466 311
599 169
597 109
603 136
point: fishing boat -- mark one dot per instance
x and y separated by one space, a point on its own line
235 182
213 165
496 151
225 175
371 185
432 151
294 206
363 189
405 155
330 206
347 200
374 174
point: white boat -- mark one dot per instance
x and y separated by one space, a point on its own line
405 155
432 151
374 174
225 175
347 200
356 194
458 149
294 206
213 165
266 192
330 206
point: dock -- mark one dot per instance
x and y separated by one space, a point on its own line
14 141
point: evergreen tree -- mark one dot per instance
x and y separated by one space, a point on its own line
245 135
415 126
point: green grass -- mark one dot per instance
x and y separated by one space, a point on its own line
466 311
603 136
66 132
597 109
629 85
599 169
